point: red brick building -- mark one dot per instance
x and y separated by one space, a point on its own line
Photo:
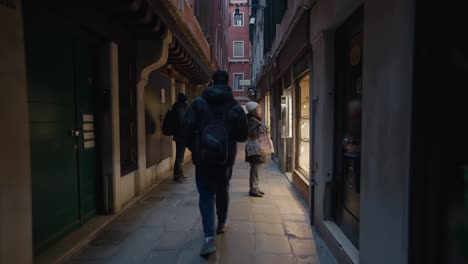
239 49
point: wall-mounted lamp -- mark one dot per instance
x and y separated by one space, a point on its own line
238 16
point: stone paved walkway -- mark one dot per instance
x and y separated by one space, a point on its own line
165 226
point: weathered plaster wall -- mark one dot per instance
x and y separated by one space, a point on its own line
387 89
15 178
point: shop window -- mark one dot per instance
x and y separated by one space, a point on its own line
286 114
267 112
303 142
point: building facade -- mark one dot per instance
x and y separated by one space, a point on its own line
352 109
239 49
89 84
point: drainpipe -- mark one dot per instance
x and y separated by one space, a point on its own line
140 176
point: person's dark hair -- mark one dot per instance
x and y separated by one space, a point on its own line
220 77
181 98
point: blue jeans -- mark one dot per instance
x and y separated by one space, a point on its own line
213 188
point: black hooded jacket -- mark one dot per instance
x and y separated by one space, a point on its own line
179 108
218 96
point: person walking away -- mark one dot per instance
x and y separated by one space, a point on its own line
214 123
256 129
179 108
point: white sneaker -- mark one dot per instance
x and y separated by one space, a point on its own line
208 247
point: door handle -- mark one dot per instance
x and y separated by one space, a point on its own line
74 133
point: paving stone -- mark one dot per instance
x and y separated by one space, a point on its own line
162 256
308 260
272 229
303 247
198 226
239 189
184 220
258 200
267 218
192 256
190 203
284 197
272 244
158 220
264 205
269 229
291 210
245 257
298 229
135 213
238 226
109 237
171 240
123 226
266 210
154 199
295 218
145 235
240 214
96 252
263 258
190 251
236 242
137 246
239 204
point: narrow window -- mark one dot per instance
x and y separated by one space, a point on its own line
238 47
236 81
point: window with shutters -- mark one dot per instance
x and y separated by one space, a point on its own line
238 47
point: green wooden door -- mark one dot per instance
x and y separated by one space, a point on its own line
63 172
86 64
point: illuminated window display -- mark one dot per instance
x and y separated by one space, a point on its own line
286 114
304 127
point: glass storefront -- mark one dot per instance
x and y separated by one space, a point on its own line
287 131
267 111
304 127
286 114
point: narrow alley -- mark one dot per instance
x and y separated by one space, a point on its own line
362 102
164 226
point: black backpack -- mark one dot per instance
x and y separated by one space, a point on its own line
214 138
169 125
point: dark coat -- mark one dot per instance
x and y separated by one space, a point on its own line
256 128
179 108
217 96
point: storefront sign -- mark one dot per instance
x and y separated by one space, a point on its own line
88 127
88 118
244 82
89 144
88 135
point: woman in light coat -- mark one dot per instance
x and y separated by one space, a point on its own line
256 128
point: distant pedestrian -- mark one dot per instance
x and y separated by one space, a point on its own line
179 109
258 148
214 122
